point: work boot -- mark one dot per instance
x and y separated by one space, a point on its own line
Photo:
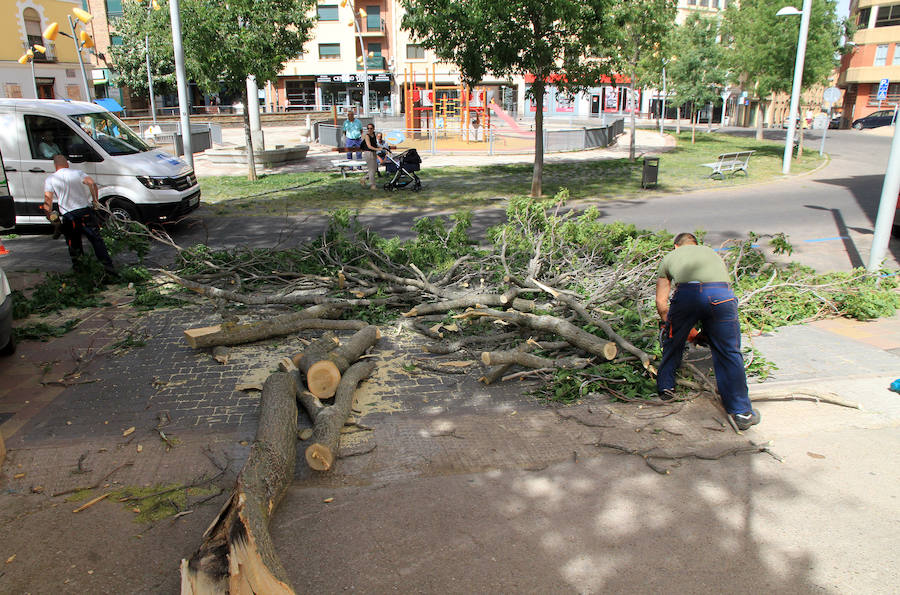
744 420
667 395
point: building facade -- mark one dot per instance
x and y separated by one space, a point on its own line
875 57
56 74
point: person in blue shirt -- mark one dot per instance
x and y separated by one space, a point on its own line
353 131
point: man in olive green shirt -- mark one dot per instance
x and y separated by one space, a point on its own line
702 294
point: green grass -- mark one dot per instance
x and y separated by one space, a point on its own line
474 187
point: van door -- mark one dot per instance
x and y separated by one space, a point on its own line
43 137
7 206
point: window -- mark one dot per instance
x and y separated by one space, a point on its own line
115 40
862 19
881 55
375 50
415 51
113 8
373 18
692 2
704 3
33 27
110 133
329 51
888 16
328 12
897 54
49 136
893 95
13 91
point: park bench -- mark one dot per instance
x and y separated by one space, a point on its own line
733 162
346 165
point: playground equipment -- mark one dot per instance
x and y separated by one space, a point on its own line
450 109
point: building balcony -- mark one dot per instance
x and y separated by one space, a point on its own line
49 56
373 28
868 74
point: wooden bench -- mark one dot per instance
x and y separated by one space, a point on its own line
346 165
733 162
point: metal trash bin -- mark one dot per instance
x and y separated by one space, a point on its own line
651 171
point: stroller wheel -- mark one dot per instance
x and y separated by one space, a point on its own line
417 185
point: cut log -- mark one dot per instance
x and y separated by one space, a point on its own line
322 345
497 372
237 554
528 360
326 436
230 333
481 300
551 324
323 370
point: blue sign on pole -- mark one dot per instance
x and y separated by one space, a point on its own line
883 89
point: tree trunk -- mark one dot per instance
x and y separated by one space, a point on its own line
237 554
323 370
474 301
326 436
760 114
537 176
693 124
709 119
678 120
633 122
251 158
575 335
528 360
314 317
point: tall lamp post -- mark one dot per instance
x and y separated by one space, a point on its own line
798 79
181 79
28 58
151 6
81 39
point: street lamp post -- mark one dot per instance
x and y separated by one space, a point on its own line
152 5
181 80
665 93
78 47
357 26
28 58
798 79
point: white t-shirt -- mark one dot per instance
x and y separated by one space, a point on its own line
68 186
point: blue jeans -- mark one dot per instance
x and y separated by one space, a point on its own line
354 143
84 222
715 306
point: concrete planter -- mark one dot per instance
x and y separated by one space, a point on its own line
267 158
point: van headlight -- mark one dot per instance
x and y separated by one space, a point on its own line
155 183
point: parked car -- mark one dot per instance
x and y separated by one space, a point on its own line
136 181
7 342
784 124
835 122
884 117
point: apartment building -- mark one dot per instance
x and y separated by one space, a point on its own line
875 57
57 74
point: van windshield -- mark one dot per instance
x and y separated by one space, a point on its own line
111 133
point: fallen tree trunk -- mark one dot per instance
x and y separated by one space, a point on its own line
551 324
237 554
323 370
481 300
528 360
499 371
326 436
260 299
323 344
595 320
230 333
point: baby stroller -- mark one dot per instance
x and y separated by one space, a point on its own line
403 166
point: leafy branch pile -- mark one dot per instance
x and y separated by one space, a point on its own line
551 292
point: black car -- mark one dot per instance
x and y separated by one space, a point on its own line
835 123
884 117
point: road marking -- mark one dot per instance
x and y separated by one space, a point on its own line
828 239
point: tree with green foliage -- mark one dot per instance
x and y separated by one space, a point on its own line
642 25
225 42
695 72
130 58
762 47
560 42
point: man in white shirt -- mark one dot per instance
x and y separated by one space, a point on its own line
76 194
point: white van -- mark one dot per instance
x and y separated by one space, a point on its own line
136 181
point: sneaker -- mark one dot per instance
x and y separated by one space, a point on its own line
667 395
744 420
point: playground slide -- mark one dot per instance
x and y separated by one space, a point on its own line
505 117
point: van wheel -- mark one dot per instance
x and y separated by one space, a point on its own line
122 210
9 348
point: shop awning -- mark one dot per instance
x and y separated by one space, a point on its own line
110 104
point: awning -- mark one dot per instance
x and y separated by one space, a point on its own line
110 104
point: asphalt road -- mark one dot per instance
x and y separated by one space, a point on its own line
829 214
